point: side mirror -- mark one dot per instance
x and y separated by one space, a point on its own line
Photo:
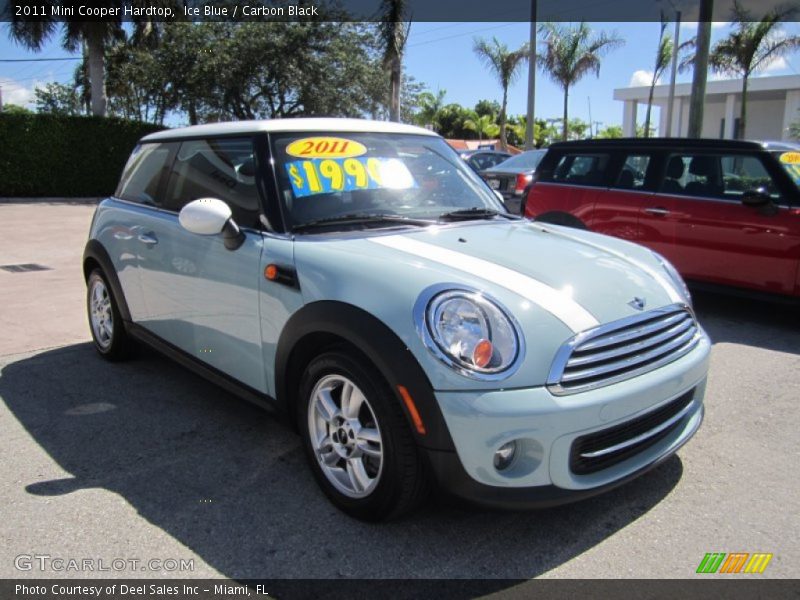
210 216
756 197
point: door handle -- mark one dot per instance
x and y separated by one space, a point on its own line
657 210
149 239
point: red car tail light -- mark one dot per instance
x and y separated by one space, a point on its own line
523 179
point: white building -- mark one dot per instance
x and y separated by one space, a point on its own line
773 103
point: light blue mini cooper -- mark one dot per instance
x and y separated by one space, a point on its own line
360 279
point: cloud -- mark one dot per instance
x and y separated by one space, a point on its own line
642 78
777 64
16 93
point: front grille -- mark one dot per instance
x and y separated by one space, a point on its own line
623 349
597 451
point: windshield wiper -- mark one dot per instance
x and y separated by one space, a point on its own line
476 212
362 219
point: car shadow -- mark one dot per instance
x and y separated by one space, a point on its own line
736 320
230 482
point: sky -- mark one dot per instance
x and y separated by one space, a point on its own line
441 56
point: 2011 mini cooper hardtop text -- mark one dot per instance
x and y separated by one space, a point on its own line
361 279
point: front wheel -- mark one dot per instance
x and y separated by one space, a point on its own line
357 440
108 333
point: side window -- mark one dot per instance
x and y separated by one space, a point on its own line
720 176
694 175
142 174
742 174
581 169
216 168
632 174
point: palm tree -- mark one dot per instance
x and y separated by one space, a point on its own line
483 126
663 56
505 64
94 34
752 45
393 34
429 108
569 54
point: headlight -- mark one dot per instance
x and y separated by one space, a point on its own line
680 284
470 333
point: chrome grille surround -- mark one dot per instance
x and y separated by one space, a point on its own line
623 349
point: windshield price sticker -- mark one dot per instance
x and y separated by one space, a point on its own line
790 158
327 176
325 147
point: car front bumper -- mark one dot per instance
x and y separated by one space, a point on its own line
545 428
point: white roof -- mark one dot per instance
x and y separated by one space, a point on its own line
321 125
756 85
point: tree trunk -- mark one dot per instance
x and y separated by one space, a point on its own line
192 113
97 77
700 75
743 115
649 108
503 142
566 122
394 100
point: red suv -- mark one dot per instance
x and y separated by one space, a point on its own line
725 213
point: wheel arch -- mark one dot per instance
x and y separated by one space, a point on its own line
96 256
323 324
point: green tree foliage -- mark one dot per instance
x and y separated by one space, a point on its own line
578 129
483 125
217 71
545 132
15 109
93 36
57 99
488 107
430 106
505 65
568 54
610 132
451 122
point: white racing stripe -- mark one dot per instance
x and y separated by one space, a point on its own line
663 281
562 306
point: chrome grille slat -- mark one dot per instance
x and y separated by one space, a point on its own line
623 349
611 339
637 346
630 362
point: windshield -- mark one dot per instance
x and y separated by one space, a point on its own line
526 160
790 161
324 176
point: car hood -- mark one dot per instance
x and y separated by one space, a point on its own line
583 279
555 281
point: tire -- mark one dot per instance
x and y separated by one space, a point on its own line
364 459
105 322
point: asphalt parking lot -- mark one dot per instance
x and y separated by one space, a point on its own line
143 460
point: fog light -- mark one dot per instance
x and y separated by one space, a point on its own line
505 455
